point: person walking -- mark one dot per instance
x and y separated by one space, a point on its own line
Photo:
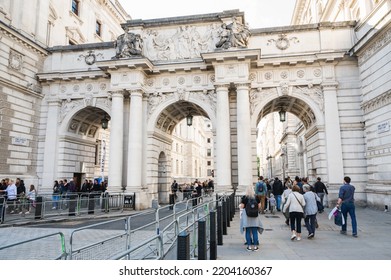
260 192
295 203
310 209
278 189
320 190
284 198
250 221
56 194
346 202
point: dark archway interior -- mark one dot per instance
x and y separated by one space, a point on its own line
175 113
87 122
292 105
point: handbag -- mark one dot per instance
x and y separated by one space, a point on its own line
304 215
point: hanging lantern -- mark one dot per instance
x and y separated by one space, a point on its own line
189 119
282 114
104 122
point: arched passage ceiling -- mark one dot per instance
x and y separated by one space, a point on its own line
292 105
87 122
175 113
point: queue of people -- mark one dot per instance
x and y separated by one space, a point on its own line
298 200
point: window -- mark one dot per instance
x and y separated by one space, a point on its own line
98 28
209 162
97 144
208 140
75 7
209 152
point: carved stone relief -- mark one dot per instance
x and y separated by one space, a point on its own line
15 61
90 57
314 92
183 42
257 95
283 42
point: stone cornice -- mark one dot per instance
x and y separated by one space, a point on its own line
68 76
16 35
377 102
20 88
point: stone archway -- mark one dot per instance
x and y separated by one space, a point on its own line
161 126
304 127
83 145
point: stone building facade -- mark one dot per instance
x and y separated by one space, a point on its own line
328 75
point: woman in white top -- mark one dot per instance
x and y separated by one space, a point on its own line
31 195
295 203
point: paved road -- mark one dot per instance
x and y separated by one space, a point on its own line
373 242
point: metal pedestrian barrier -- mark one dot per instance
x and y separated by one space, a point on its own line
184 230
54 245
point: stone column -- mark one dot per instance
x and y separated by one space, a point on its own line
223 140
145 139
135 151
244 137
50 154
333 134
116 141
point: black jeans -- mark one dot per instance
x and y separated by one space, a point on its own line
310 223
295 221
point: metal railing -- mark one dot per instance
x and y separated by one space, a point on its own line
29 248
48 205
157 236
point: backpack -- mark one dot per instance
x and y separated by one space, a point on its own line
252 208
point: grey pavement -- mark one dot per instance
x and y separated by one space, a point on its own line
373 242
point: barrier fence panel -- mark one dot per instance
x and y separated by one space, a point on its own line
97 242
47 247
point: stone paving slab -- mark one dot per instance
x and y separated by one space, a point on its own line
373 243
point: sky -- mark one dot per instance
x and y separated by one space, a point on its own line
258 13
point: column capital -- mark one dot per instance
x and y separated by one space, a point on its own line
243 85
116 92
136 92
332 85
221 86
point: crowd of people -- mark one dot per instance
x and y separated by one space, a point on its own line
194 189
18 198
62 189
297 199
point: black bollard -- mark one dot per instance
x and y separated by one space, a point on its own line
72 204
213 237
219 225
224 217
38 207
202 248
91 203
183 246
228 211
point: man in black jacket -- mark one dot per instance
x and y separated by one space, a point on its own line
278 189
320 189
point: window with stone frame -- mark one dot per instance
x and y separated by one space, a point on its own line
76 7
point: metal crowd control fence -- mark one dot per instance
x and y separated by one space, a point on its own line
158 237
54 245
103 244
185 220
70 204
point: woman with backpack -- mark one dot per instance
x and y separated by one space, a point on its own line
250 221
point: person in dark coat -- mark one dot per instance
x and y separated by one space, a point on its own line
278 189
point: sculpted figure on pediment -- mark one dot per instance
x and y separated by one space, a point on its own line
128 44
233 35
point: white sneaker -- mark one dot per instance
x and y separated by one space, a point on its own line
53 208
293 237
28 212
298 238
